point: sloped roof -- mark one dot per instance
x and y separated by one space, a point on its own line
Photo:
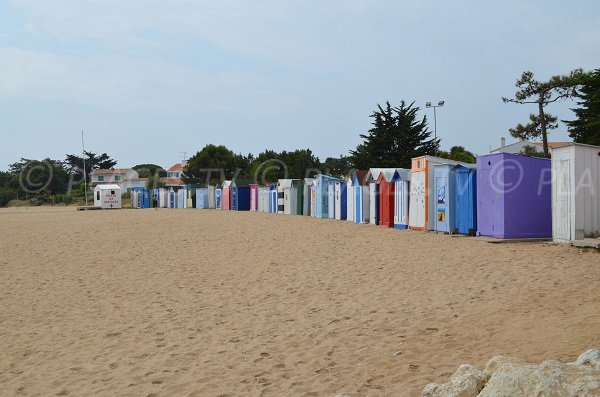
285 183
108 186
112 171
176 167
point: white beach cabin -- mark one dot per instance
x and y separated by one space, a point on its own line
107 196
575 192
350 198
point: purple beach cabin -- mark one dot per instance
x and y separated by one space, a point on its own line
514 196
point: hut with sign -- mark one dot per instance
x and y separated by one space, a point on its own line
422 195
107 196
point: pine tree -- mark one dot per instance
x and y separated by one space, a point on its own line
586 128
396 137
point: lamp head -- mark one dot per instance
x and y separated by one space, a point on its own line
441 103
427 104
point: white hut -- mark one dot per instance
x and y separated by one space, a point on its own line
575 192
263 199
287 192
107 196
350 198
307 196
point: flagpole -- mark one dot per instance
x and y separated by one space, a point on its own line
84 173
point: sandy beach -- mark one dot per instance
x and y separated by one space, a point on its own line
219 303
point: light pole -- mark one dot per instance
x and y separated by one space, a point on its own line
439 105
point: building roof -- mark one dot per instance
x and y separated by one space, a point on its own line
173 182
552 145
108 186
177 167
112 171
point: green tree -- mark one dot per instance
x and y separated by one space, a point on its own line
39 177
586 127
396 137
150 170
267 167
155 182
210 164
337 166
542 93
533 129
458 153
532 151
74 164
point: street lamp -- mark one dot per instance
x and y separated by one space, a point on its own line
439 105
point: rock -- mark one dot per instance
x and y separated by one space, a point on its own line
497 362
590 358
467 381
548 379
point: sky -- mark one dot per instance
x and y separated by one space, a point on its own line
147 80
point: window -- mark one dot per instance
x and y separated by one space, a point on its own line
117 178
100 178
112 192
177 175
98 195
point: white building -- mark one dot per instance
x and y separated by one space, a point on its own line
107 196
126 178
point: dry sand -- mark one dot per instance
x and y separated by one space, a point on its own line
214 303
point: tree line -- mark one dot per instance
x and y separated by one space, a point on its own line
397 135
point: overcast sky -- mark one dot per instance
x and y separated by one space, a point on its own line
148 80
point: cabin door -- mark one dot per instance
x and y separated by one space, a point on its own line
441 204
562 199
417 200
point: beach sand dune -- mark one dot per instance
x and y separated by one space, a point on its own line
217 303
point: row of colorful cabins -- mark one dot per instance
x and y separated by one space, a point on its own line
503 195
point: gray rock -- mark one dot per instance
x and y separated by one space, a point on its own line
467 381
589 358
548 379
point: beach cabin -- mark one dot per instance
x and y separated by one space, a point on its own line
514 197
325 196
313 198
140 198
297 197
202 198
177 198
306 196
161 196
226 195
263 199
350 198
211 197
218 197
374 203
273 198
444 182
254 197
360 186
422 195
401 180
240 195
386 183
575 192
341 200
107 196
465 201
287 196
